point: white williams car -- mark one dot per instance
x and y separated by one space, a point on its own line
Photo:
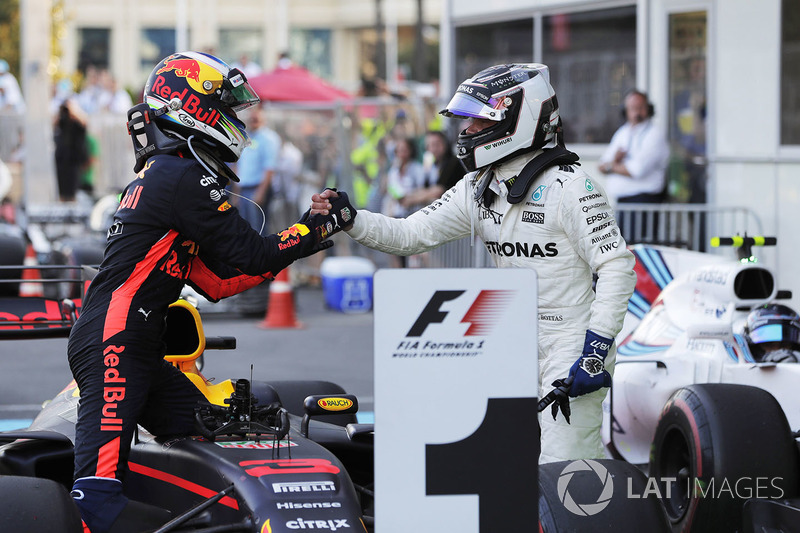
706 389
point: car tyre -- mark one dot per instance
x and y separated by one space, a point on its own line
612 508
713 436
37 504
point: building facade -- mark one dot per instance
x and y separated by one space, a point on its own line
723 76
335 39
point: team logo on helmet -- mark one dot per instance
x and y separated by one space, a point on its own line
185 68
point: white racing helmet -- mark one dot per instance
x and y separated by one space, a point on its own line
520 99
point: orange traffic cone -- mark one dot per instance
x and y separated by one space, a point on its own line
280 308
31 288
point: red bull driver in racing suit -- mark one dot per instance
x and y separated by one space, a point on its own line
533 208
174 226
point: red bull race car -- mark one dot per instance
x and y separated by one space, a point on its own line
267 457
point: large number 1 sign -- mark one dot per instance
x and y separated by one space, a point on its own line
456 438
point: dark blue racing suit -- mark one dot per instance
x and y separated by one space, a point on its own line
174 226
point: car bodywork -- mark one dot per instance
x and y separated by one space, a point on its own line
685 326
261 460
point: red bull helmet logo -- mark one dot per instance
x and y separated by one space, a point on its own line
185 68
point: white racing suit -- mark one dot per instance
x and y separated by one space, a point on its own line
565 230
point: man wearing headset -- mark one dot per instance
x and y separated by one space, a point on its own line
635 161
533 207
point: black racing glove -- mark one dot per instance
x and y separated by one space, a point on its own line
341 216
558 398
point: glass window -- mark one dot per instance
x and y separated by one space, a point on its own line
592 60
425 67
688 36
311 48
241 47
790 72
154 45
484 45
93 48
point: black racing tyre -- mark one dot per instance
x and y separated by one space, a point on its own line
294 393
589 495
721 444
36 504
12 253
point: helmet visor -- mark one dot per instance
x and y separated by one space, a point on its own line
237 92
776 332
465 106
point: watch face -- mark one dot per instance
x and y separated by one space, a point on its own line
592 365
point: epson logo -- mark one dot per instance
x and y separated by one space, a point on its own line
304 486
533 217
308 505
596 218
521 249
498 143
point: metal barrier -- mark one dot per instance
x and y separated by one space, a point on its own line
11 134
687 226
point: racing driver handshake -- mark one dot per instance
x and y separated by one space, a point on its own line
174 226
533 207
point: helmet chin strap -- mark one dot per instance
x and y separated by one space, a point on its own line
215 174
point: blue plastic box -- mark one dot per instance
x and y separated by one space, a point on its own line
347 283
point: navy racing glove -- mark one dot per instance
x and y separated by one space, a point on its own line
340 217
589 371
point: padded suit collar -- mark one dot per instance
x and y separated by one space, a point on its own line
519 185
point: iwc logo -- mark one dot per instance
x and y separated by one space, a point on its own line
593 365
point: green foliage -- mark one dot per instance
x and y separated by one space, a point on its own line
9 34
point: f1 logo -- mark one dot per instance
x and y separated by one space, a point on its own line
482 315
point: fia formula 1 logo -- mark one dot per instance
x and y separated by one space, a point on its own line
482 315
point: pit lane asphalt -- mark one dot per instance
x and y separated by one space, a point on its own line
331 346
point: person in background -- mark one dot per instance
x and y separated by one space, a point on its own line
533 207
71 148
442 167
635 161
10 94
256 168
250 69
405 176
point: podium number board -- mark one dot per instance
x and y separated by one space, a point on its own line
456 440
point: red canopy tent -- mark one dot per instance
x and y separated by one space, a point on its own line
295 84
